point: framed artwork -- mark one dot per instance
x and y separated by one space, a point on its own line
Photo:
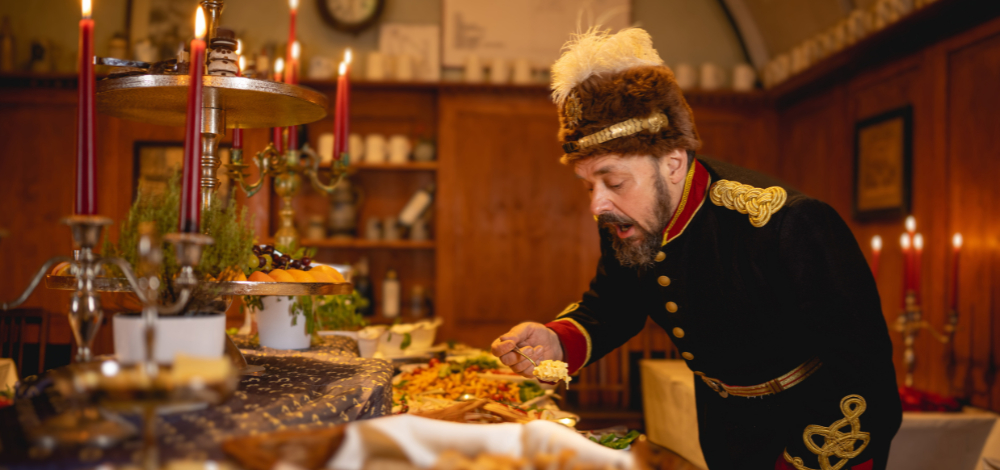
883 154
157 162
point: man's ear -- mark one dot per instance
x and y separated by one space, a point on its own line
675 165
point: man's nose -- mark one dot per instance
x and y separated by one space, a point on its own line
599 202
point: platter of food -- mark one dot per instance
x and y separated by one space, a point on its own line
474 390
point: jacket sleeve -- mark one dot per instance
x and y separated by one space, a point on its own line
834 290
608 315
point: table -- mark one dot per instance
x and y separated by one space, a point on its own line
322 387
931 441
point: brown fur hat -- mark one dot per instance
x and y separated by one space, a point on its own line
630 81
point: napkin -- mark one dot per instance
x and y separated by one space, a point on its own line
421 440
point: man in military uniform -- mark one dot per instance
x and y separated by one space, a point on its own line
763 290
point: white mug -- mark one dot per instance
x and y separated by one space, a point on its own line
356 147
399 149
711 76
322 68
522 71
744 77
499 72
404 68
375 148
375 69
324 146
782 68
687 77
800 59
473 69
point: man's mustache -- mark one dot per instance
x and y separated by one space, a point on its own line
610 219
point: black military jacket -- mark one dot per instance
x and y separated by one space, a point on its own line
747 297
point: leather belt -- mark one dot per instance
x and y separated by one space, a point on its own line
771 387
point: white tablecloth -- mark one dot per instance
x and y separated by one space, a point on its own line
931 441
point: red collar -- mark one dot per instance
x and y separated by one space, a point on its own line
695 189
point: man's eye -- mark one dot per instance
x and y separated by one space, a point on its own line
615 186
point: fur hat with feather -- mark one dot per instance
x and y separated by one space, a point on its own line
604 79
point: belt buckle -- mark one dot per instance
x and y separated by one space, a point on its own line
716 386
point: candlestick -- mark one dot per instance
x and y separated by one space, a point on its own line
876 254
918 251
86 155
190 214
904 242
956 249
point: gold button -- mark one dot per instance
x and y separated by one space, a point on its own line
699 373
688 356
678 332
660 256
671 307
664 281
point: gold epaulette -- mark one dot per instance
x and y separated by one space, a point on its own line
745 199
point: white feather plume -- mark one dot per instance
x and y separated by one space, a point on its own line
598 52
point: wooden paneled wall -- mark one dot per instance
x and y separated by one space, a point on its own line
952 88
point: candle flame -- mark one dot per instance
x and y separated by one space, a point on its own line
348 55
243 64
911 224
279 65
293 4
956 241
86 4
904 241
239 46
918 242
343 68
877 243
296 49
199 24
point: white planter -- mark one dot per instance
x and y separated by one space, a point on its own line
201 336
274 325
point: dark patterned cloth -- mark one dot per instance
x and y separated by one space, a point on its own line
324 386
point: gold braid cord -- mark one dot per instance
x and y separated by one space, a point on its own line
836 443
745 199
653 123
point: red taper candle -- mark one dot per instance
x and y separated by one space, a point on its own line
904 243
876 254
86 155
956 249
238 132
918 257
279 145
292 66
291 72
190 215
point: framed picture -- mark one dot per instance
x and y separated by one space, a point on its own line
157 162
883 153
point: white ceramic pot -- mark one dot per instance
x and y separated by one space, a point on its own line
274 325
200 336
421 333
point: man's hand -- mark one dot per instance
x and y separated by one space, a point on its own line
534 339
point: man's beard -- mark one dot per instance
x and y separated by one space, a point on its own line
639 254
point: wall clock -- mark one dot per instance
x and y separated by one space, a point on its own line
351 16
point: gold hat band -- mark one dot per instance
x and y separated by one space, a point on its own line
653 123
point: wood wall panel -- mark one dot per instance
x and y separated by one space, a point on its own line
973 132
516 242
951 87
